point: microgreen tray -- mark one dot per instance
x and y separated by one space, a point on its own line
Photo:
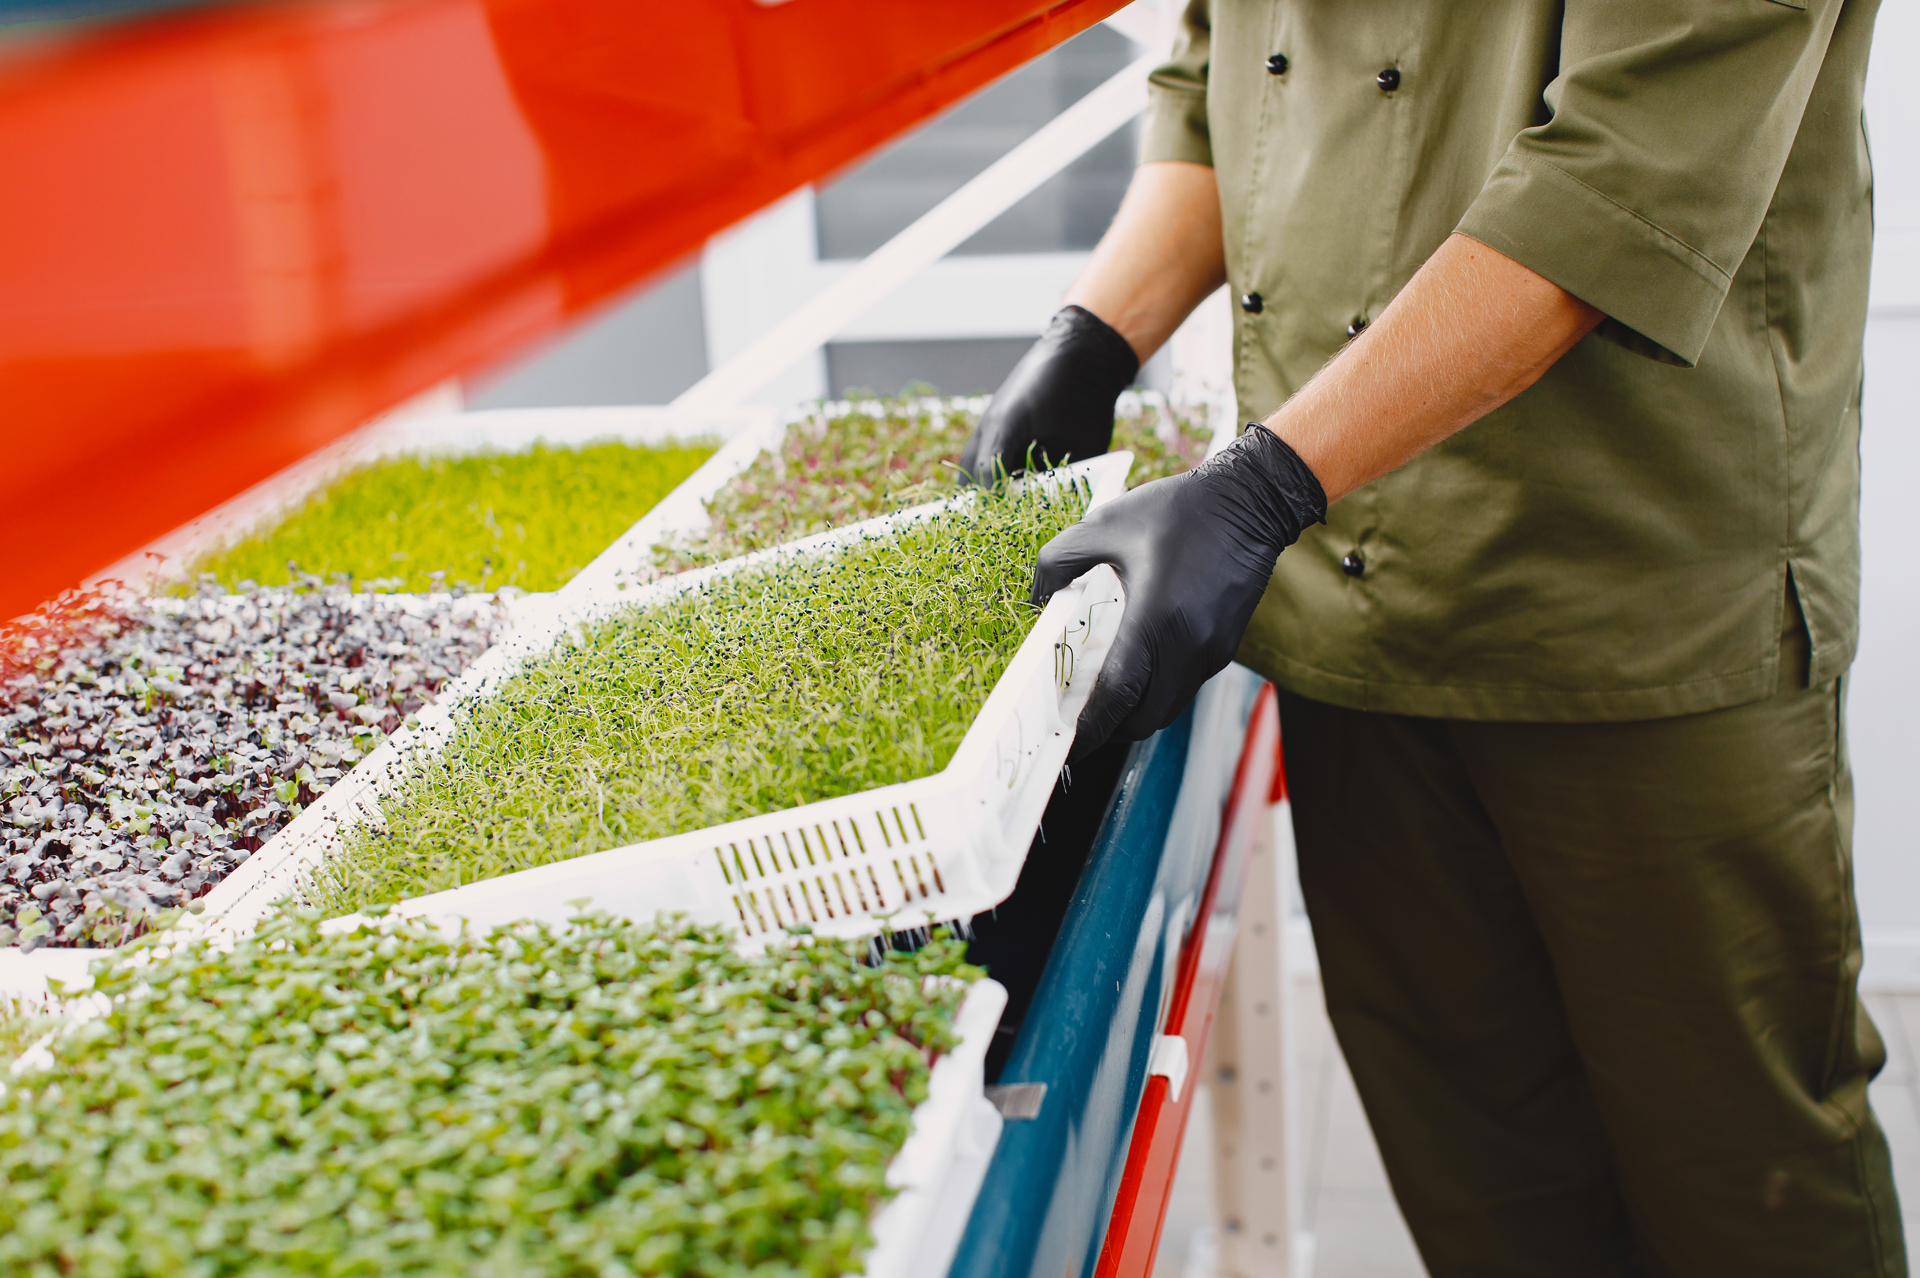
940 1169
449 435
659 543
774 1173
937 847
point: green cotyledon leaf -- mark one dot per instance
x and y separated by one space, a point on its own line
314 1103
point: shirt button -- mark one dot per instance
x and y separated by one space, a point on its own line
1253 303
1277 64
1356 327
1388 80
1353 565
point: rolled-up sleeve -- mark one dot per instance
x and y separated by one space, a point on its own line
1670 123
1175 127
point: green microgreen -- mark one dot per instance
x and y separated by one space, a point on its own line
528 519
765 688
880 454
601 1098
22 1024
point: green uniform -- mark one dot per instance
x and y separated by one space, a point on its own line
1596 985
1562 711
1616 542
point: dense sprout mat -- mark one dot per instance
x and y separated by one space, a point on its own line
598 1099
528 520
149 746
21 1026
799 679
878 455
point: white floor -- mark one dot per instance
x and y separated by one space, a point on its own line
1358 1231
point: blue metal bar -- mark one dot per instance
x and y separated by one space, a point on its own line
1048 1193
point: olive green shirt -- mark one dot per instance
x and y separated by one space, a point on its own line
1616 542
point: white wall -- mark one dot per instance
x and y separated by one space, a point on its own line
754 275
643 349
1883 704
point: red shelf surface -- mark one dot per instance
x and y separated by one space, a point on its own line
234 233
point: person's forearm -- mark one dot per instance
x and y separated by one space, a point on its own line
1471 330
1161 256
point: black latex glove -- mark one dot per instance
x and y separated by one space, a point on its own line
1194 552
1058 400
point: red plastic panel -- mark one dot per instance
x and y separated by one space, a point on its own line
1146 1183
234 234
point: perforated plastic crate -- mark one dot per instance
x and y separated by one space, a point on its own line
937 1173
944 846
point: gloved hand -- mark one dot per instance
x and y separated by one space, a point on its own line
1058 400
1195 552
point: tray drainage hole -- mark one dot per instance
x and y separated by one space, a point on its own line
753 903
826 901
858 895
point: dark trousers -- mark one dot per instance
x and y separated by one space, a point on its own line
1596 985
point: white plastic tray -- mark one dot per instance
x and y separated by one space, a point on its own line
452 434
939 847
623 565
938 1172
940 1169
